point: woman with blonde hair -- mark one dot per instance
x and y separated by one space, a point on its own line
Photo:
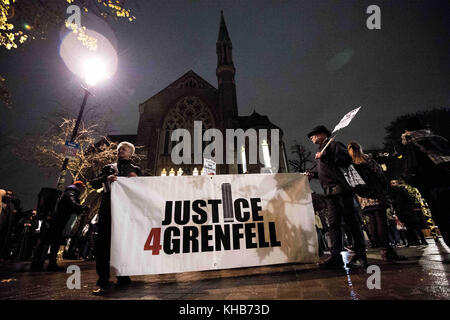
374 201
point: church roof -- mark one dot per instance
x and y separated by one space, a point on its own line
256 120
189 80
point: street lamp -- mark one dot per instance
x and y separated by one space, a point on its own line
94 71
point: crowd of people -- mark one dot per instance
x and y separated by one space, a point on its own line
364 208
407 205
19 229
38 236
22 232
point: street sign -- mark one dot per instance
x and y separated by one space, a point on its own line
71 149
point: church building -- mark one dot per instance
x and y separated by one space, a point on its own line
190 98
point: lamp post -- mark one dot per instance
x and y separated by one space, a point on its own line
94 71
60 183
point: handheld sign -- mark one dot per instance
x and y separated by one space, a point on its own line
345 121
209 166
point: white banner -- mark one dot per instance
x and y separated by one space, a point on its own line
193 223
345 121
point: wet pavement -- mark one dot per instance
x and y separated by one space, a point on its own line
424 276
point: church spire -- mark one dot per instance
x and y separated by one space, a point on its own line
223 32
224 47
225 72
225 75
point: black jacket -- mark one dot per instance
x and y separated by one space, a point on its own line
327 167
69 204
404 205
122 168
377 183
419 170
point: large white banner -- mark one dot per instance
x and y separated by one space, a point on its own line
193 223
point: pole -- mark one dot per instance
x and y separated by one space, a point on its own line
329 141
60 183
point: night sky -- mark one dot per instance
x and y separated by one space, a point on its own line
301 63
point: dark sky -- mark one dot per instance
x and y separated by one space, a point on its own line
302 63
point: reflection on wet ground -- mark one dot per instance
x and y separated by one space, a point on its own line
423 276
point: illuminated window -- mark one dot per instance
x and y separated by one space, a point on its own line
266 154
243 160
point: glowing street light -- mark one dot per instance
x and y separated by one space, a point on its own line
94 71
93 67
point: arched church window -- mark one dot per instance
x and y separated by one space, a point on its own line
182 116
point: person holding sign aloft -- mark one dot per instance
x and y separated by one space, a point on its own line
333 156
124 167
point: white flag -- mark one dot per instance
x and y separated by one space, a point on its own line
346 120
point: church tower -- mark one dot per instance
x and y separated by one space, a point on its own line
225 72
191 98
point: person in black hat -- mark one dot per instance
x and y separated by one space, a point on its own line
339 198
427 167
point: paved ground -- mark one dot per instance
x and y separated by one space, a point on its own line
425 275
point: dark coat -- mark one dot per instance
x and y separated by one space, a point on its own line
124 168
376 182
404 205
327 167
68 205
420 170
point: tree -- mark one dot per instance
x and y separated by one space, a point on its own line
436 119
25 20
32 19
303 158
96 150
5 96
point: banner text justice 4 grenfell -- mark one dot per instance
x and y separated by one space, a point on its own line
242 219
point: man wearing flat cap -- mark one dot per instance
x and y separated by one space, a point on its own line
339 197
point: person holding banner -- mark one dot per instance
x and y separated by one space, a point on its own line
339 198
427 167
122 168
